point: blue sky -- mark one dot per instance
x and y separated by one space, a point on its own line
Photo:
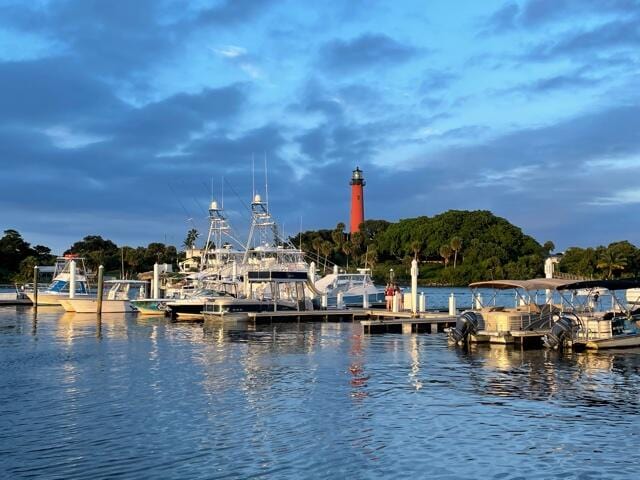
116 116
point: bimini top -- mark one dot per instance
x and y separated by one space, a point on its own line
534 284
624 284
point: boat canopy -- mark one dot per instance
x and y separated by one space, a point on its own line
624 284
534 284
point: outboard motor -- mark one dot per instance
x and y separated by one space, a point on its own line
561 330
467 324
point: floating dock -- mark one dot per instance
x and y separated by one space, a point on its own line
372 320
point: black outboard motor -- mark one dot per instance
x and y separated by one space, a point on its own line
467 324
561 330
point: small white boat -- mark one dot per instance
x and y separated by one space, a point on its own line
59 287
117 300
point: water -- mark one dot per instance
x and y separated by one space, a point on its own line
145 398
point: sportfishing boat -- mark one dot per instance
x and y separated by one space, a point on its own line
62 281
285 291
588 326
117 300
353 286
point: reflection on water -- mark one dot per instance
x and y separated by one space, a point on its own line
128 397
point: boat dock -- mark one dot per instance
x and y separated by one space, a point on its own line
372 320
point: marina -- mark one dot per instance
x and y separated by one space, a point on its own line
104 397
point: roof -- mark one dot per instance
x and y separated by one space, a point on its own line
624 284
534 284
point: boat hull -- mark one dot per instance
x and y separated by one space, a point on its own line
150 306
620 341
47 298
90 305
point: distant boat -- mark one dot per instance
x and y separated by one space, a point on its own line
59 287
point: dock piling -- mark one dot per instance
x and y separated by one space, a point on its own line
452 304
423 303
156 280
35 288
72 279
100 288
414 286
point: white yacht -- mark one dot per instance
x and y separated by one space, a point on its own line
62 279
118 298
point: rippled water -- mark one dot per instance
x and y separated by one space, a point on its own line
145 398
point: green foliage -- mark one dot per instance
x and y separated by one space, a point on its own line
14 251
479 244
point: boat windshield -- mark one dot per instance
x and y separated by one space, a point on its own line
62 286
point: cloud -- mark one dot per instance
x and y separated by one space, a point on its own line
537 13
231 12
366 51
239 57
611 35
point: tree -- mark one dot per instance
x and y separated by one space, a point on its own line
338 236
326 248
445 253
316 243
611 261
456 245
13 250
190 240
416 246
549 246
347 248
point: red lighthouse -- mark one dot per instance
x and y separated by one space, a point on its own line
357 199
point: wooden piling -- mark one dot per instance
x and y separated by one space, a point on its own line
100 288
35 288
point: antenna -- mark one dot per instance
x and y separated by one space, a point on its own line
266 182
253 178
212 189
222 193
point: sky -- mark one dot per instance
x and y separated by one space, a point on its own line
125 118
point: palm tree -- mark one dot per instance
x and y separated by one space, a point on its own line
416 246
326 249
611 261
192 236
338 236
315 244
347 248
445 253
456 245
371 257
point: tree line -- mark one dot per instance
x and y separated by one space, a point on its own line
17 257
453 248
457 248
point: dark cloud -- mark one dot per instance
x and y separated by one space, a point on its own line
367 50
536 13
436 80
611 35
230 12
170 121
42 92
114 39
575 79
